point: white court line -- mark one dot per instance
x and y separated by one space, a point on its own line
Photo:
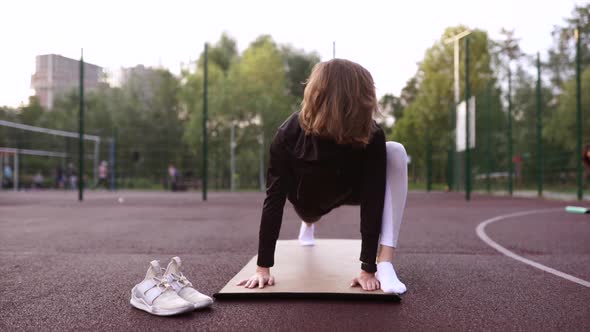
480 230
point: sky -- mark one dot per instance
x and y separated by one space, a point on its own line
387 37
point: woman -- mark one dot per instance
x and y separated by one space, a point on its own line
329 154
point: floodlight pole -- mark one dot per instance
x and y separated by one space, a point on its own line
455 40
456 63
81 132
456 76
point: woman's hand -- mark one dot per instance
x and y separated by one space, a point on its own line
260 278
367 281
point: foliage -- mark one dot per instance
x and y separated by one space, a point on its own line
429 97
156 117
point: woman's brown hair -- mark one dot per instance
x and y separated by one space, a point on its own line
339 102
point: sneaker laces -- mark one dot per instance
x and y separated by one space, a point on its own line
162 284
180 278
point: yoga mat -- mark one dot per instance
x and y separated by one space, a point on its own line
323 271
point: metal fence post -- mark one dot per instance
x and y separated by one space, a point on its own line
467 148
578 118
112 158
510 164
81 132
488 136
539 131
205 105
429 164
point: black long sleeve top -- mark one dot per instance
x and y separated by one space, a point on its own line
318 175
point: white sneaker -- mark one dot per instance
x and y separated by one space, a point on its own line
156 296
183 287
306 237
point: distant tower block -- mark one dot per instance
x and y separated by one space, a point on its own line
57 75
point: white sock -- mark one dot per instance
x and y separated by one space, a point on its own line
306 235
388 279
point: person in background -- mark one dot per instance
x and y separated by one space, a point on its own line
72 177
38 180
172 176
103 173
7 176
59 178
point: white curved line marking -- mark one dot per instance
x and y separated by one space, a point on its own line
480 230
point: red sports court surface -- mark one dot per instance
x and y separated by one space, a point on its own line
70 265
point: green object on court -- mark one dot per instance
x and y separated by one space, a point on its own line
577 209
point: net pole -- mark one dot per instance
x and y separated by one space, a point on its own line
81 132
467 148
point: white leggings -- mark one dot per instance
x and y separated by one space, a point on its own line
396 190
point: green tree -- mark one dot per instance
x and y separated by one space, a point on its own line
32 112
298 66
255 93
561 127
429 94
561 56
